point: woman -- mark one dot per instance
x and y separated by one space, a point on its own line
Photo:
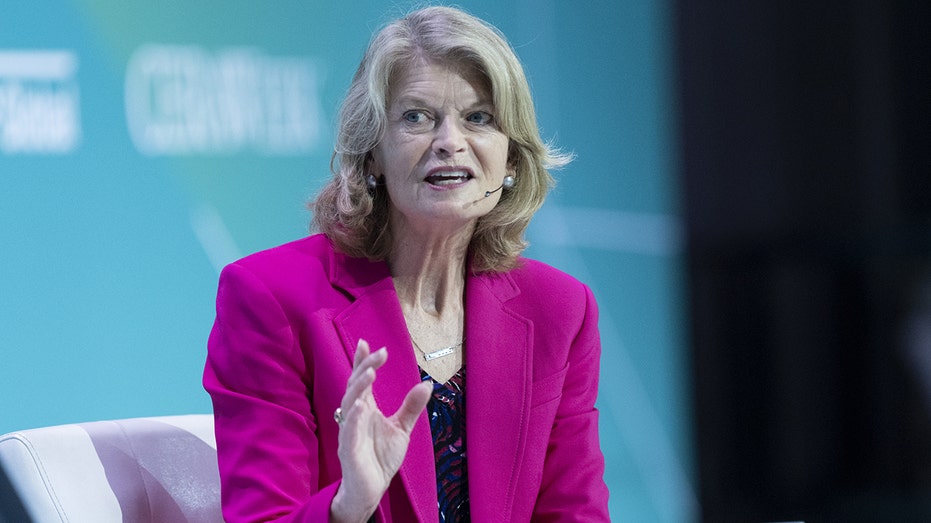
439 167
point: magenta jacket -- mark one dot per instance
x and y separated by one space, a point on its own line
281 350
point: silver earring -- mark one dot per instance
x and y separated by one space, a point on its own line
370 182
508 181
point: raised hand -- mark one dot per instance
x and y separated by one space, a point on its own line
371 445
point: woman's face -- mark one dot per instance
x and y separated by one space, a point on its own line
442 147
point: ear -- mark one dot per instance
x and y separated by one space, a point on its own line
513 158
370 166
511 169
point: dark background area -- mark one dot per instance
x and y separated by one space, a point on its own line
807 185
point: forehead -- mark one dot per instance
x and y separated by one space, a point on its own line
426 77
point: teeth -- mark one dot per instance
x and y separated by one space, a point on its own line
448 178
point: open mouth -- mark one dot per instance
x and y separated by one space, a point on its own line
448 178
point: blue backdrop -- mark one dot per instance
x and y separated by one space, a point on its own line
144 145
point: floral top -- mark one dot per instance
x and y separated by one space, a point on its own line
446 409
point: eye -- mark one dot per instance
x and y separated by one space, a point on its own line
415 117
480 118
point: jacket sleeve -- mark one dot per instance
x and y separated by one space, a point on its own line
256 376
572 486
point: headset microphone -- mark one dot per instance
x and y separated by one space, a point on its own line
507 183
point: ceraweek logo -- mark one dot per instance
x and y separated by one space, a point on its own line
183 100
39 102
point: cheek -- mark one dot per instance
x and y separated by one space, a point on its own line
496 153
397 154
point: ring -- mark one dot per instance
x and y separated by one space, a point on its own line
338 416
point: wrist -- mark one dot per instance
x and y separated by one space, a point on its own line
345 510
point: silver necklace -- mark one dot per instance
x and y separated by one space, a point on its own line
445 351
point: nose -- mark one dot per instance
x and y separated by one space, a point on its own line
449 137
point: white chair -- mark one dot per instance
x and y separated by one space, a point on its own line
157 469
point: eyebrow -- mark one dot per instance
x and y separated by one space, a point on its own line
409 100
483 103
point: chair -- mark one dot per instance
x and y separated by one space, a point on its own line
157 469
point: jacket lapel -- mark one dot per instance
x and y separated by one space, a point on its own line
499 363
376 316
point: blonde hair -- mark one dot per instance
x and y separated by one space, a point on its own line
355 218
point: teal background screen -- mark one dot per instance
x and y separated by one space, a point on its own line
144 145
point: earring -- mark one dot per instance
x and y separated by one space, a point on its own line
506 183
370 182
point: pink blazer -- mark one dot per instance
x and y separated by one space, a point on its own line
281 350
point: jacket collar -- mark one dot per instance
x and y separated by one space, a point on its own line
498 379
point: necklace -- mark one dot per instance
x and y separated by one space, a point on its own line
445 351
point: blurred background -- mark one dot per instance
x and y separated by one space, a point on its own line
751 205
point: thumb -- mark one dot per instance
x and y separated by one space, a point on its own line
413 405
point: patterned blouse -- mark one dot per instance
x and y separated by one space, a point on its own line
446 409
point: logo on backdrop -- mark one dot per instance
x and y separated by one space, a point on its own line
39 102
185 100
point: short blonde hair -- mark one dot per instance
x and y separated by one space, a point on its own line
355 218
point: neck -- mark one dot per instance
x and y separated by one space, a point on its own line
428 270
429 276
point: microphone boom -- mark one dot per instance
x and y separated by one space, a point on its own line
489 193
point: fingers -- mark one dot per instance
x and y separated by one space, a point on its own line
365 359
359 386
362 352
358 397
358 390
413 404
